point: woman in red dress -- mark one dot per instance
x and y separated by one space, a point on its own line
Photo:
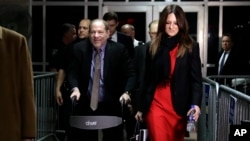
172 79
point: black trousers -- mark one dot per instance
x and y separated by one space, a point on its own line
130 122
64 112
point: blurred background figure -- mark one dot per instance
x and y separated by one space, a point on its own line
83 29
17 105
153 26
129 30
229 60
17 18
59 64
67 35
227 57
139 60
112 19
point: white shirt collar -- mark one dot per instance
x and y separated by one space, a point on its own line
114 37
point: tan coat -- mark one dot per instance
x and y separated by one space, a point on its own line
17 108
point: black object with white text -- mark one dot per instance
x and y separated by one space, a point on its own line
239 133
94 122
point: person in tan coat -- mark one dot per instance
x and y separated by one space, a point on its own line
17 106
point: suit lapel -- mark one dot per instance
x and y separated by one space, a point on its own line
229 58
107 57
87 56
118 37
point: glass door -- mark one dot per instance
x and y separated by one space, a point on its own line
141 16
138 16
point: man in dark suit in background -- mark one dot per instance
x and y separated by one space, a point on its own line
117 79
129 29
67 34
112 19
229 62
139 59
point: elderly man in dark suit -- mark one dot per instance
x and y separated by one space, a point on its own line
117 79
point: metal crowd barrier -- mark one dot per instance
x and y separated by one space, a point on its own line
46 108
221 107
234 106
207 131
238 82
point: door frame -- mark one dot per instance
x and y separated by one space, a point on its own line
146 9
152 13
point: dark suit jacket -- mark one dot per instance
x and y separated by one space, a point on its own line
232 66
139 61
119 74
127 42
186 83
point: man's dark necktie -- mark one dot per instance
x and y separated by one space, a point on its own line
223 60
96 80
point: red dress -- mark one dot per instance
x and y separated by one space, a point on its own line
162 121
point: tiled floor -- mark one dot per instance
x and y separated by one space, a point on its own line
193 137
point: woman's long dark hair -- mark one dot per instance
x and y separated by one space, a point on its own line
159 63
185 41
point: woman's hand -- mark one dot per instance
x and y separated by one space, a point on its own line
196 113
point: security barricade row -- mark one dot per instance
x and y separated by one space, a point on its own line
46 108
237 82
221 107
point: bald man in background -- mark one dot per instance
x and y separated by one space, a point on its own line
153 28
129 30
